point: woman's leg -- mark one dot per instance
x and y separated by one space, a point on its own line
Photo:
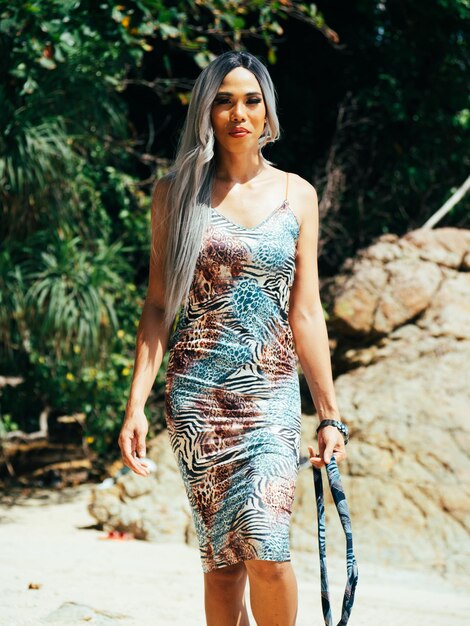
273 592
224 590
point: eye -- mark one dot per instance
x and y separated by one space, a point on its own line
225 100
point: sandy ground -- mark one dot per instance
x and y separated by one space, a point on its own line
49 539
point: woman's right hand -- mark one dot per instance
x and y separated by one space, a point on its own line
132 440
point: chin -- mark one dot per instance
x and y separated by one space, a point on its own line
240 145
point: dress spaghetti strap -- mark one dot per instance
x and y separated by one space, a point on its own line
287 185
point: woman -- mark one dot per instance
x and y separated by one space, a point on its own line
233 293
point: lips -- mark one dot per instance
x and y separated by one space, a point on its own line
239 132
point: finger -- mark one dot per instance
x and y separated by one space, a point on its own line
315 457
128 456
138 448
313 453
132 439
138 445
141 462
138 466
327 453
141 451
135 453
339 453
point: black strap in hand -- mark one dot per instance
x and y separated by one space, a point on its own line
343 512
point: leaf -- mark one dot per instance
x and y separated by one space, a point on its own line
276 27
48 64
167 30
67 39
29 86
238 23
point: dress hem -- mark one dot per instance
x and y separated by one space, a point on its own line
242 560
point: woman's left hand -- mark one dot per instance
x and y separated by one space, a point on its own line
330 440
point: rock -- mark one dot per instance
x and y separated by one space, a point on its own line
154 508
449 314
404 391
394 280
71 613
443 246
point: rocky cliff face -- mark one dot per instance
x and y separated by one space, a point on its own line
401 324
401 320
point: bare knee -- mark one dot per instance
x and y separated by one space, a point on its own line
268 571
226 577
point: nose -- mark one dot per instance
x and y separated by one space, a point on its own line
238 112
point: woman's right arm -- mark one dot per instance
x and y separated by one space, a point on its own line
151 344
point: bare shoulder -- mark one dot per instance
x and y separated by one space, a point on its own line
303 197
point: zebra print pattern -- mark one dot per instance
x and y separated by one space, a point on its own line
232 397
343 512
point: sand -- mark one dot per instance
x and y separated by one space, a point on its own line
48 539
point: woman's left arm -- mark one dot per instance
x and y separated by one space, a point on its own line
309 328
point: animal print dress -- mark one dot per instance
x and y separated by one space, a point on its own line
232 398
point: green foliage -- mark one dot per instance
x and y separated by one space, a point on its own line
412 107
75 220
99 387
376 109
61 107
378 122
67 260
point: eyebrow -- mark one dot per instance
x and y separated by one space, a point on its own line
248 93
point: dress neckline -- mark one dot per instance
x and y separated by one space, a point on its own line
268 217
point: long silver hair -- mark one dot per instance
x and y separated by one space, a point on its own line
190 178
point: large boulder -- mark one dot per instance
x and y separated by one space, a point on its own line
401 324
396 281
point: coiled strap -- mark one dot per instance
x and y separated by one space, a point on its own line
343 512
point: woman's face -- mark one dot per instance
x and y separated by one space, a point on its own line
239 103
